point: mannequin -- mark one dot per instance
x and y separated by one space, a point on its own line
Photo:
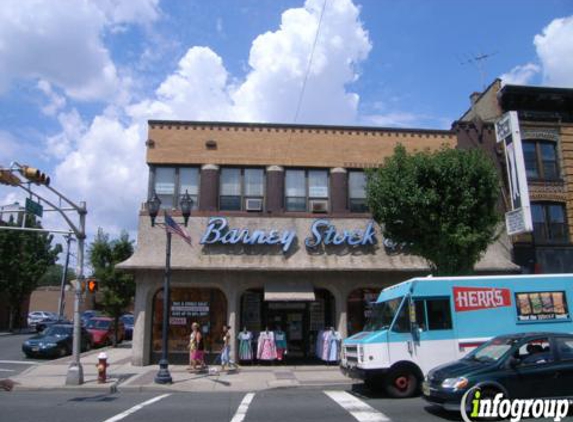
266 348
281 343
245 338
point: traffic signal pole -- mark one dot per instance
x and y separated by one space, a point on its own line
75 375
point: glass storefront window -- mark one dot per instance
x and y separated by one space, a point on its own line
208 307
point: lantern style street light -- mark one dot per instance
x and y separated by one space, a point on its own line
153 206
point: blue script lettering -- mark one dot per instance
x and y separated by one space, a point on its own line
217 232
324 232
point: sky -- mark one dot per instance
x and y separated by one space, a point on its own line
79 79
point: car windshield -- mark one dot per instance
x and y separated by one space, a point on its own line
382 315
58 331
492 351
100 324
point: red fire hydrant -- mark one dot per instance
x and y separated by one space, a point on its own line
102 368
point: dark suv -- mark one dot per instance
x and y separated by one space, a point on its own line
529 365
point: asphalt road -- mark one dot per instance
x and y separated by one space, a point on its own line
12 360
281 405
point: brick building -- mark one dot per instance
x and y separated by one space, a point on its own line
273 207
546 126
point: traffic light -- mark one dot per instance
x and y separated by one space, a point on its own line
92 285
7 178
35 175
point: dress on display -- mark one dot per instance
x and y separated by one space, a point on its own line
328 345
281 344
245 349
266 348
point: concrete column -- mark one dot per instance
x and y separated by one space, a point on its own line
233 318
338 190
341 299
275 189
209 189
141 343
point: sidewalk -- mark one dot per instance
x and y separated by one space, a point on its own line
123 376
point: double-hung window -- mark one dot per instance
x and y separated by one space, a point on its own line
165 186
189 183
541 161
237 186
549 222
304 186
357 191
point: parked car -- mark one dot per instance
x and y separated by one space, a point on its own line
524 366
87 315
47 322
102 330
55 341
128 321
36 316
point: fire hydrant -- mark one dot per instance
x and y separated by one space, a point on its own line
102 368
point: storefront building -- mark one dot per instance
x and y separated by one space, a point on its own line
280 232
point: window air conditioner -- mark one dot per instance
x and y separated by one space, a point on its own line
319 205
254 204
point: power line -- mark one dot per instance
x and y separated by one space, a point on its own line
309 63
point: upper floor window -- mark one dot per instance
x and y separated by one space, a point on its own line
549 222
357 191
189 182
239 187
541 160
169 180
165 185
304 186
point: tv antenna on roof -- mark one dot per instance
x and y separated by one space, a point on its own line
479 61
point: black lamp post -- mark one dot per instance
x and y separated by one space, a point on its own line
153 205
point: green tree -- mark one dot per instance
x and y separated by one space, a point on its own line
24 258
53 275
441 204
118 287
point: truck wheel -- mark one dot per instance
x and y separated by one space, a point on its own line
401 383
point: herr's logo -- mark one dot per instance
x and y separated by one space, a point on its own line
476 298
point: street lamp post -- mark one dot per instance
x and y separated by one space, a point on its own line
153 206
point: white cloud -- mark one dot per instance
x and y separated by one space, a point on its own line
521 75
104 161
555 50
56 101
63 43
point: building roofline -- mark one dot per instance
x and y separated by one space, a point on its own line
490 86
506 88
298 126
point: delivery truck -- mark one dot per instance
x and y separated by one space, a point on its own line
421 323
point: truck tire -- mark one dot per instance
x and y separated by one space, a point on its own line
401 383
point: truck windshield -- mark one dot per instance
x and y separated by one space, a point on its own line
382 315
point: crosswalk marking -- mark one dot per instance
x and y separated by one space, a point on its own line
135 408
361 411
243 407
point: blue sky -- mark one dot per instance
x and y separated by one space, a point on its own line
78 80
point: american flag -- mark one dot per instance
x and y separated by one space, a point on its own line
173 227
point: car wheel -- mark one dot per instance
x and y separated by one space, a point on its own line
401 383
488 393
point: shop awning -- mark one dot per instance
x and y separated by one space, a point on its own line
289 291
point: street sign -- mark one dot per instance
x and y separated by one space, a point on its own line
34 207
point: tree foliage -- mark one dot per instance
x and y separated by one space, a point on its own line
118 288
24 258
53 276
441 204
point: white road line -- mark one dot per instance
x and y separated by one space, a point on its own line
6 370
356 407
17 362
135 408
243 407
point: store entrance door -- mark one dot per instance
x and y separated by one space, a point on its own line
291 318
